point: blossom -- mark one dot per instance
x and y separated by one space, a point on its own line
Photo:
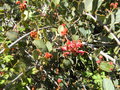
59 80
48 55
64 48
98 61
66 54
64 32
111 63
18 2
114 5
33 34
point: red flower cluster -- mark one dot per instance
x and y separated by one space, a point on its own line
64 31
22 6
59 80
33 34
114 5
72 47
48 55
98 61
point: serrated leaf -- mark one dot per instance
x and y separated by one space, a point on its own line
88 5
107 84
40 45
12 35
49 46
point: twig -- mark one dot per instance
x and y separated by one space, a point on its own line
101 52
28 88
13 81
50 77
106 28
22 38
108 57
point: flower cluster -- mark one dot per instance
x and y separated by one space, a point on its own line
114 5
33 34
48 55
22 6
72 47
64 31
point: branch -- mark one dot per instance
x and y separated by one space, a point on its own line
101 52
13 81
22 38
106 28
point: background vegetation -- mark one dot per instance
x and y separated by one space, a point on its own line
60 45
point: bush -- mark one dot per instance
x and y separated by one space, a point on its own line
59 44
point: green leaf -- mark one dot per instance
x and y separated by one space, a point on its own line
107 84
117 19
40 45
106 66
12 35
85 32
49 46
88 5
56 2
96 5
60 28
21 29
112 22
75 37
35 54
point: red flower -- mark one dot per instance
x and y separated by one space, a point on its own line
81 52
65 54
63 25
114 5
59 80
18 2
22 6
64 32
33 34
48 55
98 61
111 63
24 1
100 57
64 48
79 44
111 69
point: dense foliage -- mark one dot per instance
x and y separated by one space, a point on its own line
60 44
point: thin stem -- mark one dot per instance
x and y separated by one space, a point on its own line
22 38
106 28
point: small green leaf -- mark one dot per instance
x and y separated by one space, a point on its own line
35 54
75 37
12 35
107 84
49 46
117 19
56 2
60 28
40 45
88 5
